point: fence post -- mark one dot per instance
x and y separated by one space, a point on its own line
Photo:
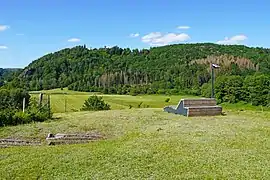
40 100
65 103
49 105
23 104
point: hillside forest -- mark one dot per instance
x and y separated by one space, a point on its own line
244 73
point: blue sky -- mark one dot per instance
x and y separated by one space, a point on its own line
30 28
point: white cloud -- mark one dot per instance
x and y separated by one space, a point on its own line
159 39
133 35
183 27
3 47
74 40
233 40
4 27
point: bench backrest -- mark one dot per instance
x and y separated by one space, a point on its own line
199 102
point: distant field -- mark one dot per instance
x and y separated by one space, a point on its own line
74 101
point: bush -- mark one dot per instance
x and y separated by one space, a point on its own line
206 90
6 117
95 103
11 113
13 98
167 100
21 118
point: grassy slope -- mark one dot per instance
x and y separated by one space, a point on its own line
145 144
236 145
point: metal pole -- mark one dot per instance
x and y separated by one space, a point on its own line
213 93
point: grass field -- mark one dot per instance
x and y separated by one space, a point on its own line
74 101
144 143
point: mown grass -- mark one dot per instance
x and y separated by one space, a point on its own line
144 144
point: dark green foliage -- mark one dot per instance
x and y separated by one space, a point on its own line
206 90
257 89
13 99
252 89
229 89
8 75
167 100
161 68
11 108
95 103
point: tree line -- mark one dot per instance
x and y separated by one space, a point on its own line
172 69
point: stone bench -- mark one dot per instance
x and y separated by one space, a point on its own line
195 107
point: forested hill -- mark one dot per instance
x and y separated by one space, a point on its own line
171 68
8 74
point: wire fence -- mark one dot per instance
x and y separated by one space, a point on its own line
60 102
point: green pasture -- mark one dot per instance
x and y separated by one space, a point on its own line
74 101
142 143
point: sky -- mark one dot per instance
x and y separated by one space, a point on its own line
30 29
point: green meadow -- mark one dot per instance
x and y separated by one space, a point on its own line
142 143
72 101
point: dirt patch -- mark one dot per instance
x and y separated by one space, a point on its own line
17 142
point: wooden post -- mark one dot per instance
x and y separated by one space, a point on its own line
23 104
40 100
49 105
65 103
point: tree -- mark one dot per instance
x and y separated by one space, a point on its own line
95 103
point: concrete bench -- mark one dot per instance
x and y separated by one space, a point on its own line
195 107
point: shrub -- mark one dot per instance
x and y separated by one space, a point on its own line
13 98
21 118
6 117
95 103
206 90
167 100
11 105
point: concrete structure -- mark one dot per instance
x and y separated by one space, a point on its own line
71 138
195 107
